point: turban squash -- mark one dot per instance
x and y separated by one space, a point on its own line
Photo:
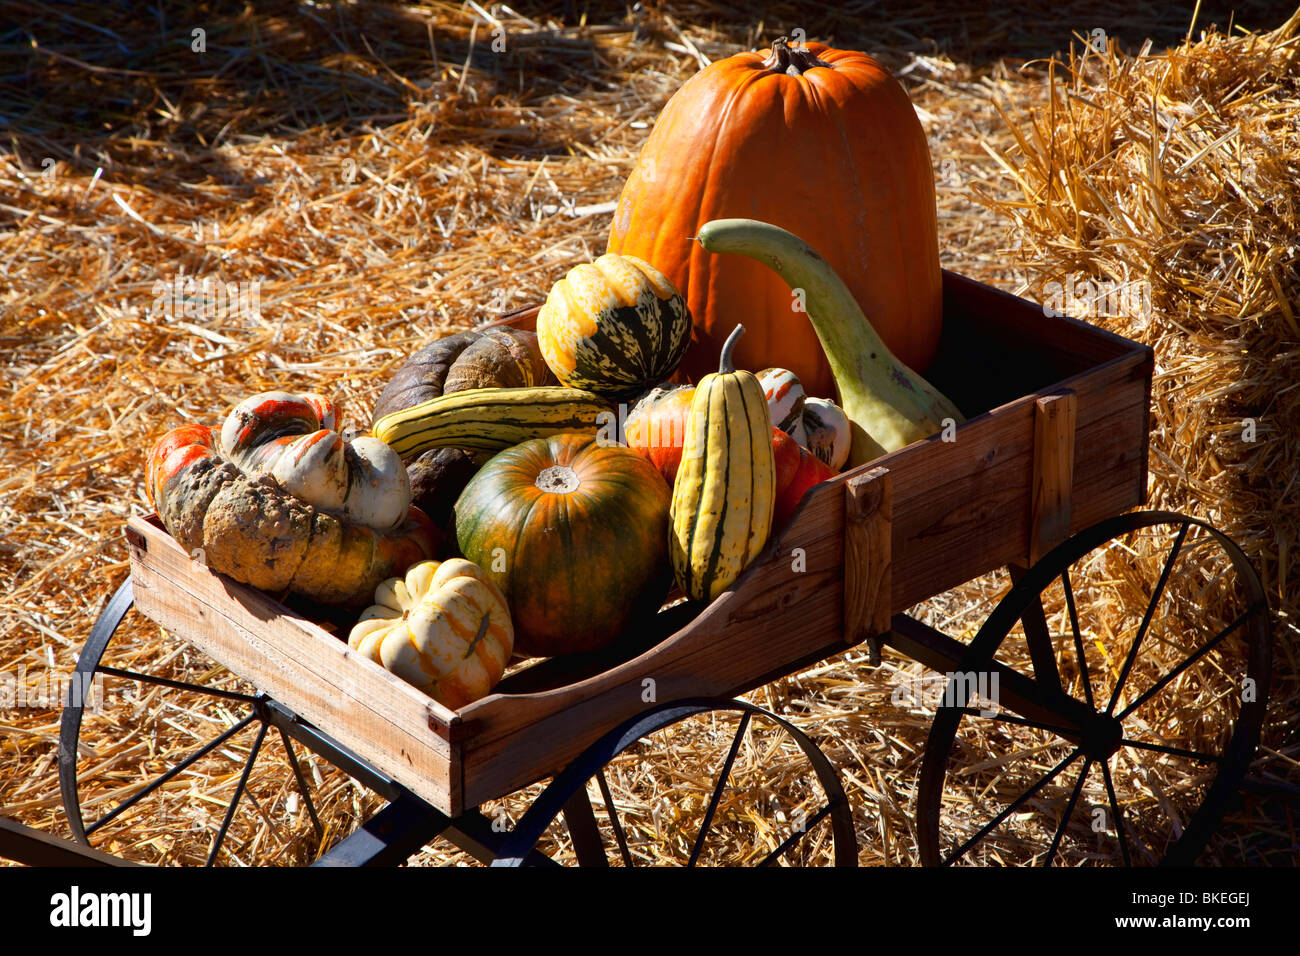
822 142
221 491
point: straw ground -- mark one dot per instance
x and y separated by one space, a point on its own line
364 177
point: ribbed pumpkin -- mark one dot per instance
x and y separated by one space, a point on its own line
476 358
822 142
726 484
574 531
615 327
443 628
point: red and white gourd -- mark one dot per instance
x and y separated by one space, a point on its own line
218 497
293 439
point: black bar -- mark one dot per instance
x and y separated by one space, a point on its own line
34 848
388 838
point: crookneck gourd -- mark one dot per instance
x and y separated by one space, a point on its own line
888 404
278 500
725 488
443 628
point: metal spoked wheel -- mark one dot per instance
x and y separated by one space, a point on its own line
750 789
1138 655
197 734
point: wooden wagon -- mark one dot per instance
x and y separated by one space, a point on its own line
1040 479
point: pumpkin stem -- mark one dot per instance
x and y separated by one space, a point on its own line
725 365
794 61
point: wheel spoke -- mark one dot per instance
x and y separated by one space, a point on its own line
1078 637
180 767
239 792
608 797
1069 809
179 685
1119 818
1019 802
798 835
1023 722
1172 751
302 783
1160 685
1146 618
717 791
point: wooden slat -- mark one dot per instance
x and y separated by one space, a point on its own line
370 711
868 531
1053 477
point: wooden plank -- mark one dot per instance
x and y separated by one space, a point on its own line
1053 477
785 608
370 711
868 538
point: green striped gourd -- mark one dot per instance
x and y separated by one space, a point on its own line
726 484
491 419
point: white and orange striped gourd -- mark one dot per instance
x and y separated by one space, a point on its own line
443 628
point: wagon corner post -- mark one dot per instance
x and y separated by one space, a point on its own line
868 577
1053 478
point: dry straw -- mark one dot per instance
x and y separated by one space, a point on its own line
362 180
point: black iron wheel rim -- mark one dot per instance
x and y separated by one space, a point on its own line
89 663
589 765
1184 848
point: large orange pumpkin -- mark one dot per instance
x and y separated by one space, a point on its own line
822 142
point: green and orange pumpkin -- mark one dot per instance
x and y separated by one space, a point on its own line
614 327
574 530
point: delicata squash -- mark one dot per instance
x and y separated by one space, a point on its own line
726 486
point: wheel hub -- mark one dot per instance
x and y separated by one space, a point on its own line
1102 736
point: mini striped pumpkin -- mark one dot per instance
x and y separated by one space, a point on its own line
443 628
615 327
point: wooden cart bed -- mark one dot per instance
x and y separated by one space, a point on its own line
1056 441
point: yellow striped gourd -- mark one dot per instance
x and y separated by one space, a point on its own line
491 419
726 485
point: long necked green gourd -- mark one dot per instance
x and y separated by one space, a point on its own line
725 488
888 405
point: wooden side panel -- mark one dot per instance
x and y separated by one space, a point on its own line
785 610
367 709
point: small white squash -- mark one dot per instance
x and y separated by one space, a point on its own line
444 628
829 435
